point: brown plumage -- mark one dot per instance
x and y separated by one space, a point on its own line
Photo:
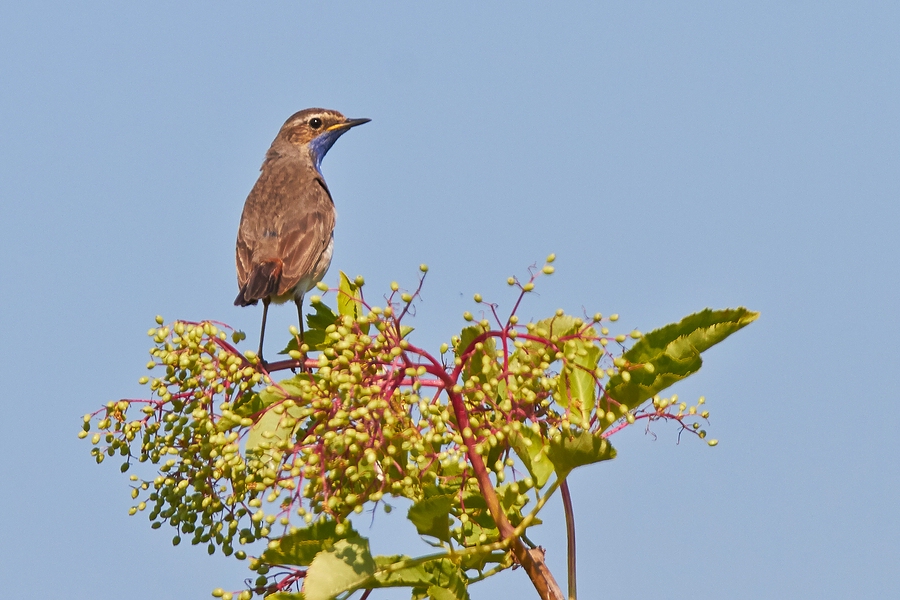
285 240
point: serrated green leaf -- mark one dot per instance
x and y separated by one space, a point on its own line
466 337
316 323
415 576
350 301
348 297
576 386
300 548
344 568
254 403
451 583
556 326
481 364
227 423
321 319
432 517
578 449
533 454
436 593
674 351
512 502
480 519
437 574
270 427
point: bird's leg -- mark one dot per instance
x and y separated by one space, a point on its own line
299 302
262 330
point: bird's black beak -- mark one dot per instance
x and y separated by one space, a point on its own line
347 124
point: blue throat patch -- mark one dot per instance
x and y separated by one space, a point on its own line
320 146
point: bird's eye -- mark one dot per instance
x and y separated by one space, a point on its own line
315 122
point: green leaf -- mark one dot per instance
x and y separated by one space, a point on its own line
438 593
302 546
344 568
466 337
480 519
580 448
577 387
432 517
512 502
285 596
321 319
674 352
531 448
348 297
556 326
482 364
350 302
439 574
415 576
316 323
450 584
270 428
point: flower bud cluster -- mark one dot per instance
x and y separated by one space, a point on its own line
691 418
204 486
242 458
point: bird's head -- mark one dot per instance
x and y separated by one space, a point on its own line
316 129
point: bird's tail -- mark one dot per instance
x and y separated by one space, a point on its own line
262 283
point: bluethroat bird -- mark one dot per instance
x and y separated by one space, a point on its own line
286 236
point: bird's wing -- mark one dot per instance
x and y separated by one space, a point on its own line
305 235
243 256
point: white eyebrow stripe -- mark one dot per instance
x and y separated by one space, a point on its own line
307 118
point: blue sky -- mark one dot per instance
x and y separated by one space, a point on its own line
673 157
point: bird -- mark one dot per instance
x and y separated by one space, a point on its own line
286 235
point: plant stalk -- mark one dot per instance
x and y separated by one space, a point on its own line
570 538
